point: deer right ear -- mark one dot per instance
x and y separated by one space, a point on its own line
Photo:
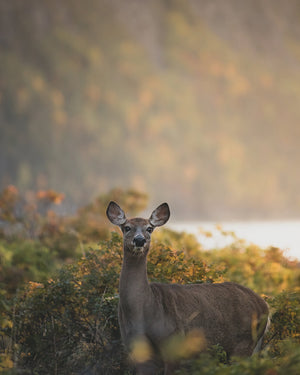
115 214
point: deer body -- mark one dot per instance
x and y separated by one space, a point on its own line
150 314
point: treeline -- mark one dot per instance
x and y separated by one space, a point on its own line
168 103
59 289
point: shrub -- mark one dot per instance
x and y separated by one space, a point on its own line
267 272
285 321
23 261
262 364
69 324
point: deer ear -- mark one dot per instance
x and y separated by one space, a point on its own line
115 214
160 215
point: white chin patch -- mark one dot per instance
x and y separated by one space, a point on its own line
138 250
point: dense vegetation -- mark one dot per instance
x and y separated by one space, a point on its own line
92 93
59 289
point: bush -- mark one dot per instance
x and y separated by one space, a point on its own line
23 261
265 271
285 321
67 323
262 364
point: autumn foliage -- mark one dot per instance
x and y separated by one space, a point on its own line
59 294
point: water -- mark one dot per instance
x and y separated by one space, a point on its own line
282 234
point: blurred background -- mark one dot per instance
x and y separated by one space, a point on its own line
193 102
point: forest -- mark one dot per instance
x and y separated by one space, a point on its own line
59 289
194 101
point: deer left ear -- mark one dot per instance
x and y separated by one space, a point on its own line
160 215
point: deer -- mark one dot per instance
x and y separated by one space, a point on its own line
150 315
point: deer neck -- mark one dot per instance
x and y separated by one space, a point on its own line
134 286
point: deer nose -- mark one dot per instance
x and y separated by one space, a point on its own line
139 241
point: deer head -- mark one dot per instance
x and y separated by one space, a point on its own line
137 231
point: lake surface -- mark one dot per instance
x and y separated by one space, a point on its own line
282 234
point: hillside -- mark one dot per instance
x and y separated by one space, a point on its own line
194 102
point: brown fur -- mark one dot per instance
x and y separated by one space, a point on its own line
227 313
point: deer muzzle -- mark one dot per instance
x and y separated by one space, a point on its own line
139 241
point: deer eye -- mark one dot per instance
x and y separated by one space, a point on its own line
127 228
150 229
